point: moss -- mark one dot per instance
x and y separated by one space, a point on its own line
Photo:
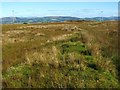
75 47
87 57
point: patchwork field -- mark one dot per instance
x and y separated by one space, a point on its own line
75 54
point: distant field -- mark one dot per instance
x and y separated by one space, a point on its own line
81 54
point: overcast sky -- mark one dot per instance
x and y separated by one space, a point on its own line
75 9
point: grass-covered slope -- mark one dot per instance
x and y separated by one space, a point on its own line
57 55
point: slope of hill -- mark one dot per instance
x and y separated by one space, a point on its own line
7 20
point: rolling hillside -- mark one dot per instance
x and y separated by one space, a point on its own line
8 20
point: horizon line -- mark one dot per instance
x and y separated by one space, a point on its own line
58 16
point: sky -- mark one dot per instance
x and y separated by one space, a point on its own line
74 9
59 0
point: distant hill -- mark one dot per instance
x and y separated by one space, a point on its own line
7 20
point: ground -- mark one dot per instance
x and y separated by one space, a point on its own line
77 54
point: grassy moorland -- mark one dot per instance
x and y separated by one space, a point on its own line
76 54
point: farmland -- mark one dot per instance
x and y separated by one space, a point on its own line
71 54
